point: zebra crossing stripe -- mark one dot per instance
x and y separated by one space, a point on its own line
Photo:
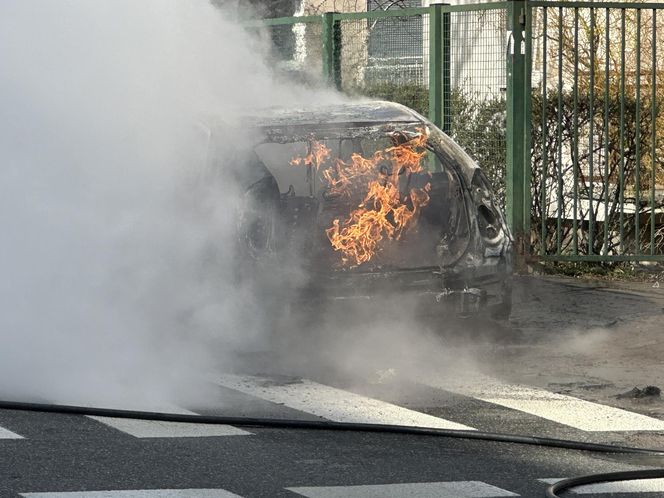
157 428
139 493
6 434
560 408
626 487
331 403
458 489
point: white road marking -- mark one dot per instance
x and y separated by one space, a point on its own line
332 403
560 408
6 434
156 428
635 486
459 489
139 493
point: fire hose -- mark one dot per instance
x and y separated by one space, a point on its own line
551 491
574 482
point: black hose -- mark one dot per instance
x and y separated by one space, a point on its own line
327 426
598 478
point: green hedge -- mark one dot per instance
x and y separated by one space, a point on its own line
412 95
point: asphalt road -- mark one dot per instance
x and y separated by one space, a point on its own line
489 383
69 455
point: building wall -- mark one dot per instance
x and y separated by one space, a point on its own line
477 44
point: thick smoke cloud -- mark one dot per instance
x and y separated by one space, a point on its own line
115 257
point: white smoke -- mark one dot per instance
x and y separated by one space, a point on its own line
114 260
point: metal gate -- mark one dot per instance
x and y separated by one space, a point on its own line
597 156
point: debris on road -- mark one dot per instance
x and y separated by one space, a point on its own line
646 392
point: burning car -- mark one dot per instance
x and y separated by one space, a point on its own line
366 199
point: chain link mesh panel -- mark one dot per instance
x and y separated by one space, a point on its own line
477 104
387 57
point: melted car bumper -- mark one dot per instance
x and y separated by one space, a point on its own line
465 293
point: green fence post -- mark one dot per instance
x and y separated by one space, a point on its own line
447 72
435 65
528 128
331 34
517 193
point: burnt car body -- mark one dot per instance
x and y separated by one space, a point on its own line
457 255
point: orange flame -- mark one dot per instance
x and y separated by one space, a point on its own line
318 154
384 212
343 177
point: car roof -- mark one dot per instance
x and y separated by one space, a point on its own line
351 119
357 113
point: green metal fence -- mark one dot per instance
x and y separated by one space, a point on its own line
598 131
544 95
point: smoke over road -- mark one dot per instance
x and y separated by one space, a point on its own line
114 260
